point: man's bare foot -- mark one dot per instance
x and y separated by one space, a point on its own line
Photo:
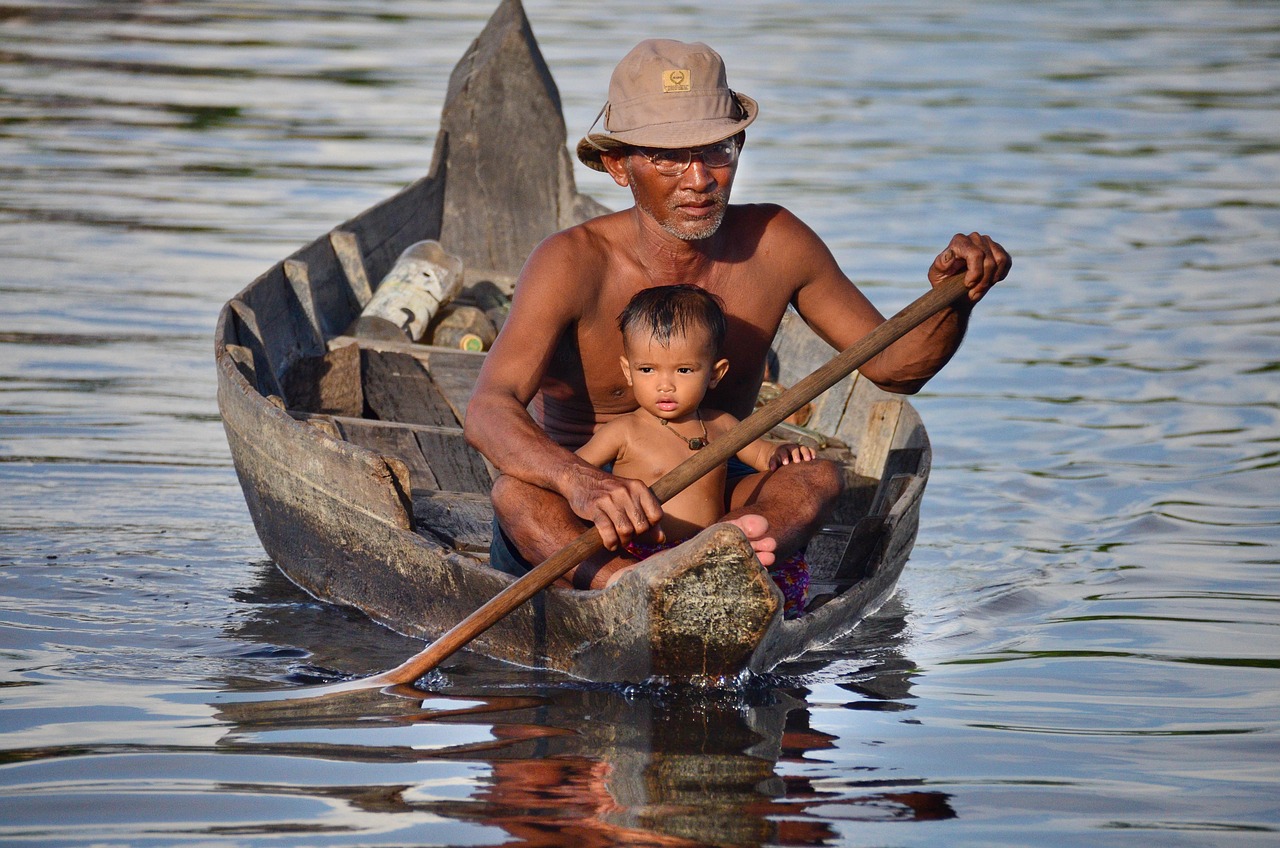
756 528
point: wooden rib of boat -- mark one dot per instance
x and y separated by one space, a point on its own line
364 493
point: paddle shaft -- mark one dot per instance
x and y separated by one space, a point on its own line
681 477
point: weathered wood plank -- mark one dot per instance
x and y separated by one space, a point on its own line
800 351
910 433
463 520
889 492
326 384
243 358
816 439
860 554
290 336
394 442
453 464
373 422
295 271
457 466
418 350
347 248
825 548
455 377
529 169
398 388
282 463
245 326
384 231
881 422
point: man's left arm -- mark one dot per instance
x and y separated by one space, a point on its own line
838 311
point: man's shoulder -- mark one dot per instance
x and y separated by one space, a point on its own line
767 216
583 243
601 226
767 235
567 257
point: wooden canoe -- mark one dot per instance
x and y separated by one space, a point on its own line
364 493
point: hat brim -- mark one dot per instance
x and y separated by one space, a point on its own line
674 135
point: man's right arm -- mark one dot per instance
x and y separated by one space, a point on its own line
546 305
498 423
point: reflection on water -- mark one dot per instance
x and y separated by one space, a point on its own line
572 763
1083 647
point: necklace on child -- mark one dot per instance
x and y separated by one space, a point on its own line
695 443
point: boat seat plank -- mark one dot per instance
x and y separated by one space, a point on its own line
395 442
437 457
461 519
398 388
373 422
455 377
457 466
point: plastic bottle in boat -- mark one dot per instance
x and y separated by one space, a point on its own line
424 278
464 327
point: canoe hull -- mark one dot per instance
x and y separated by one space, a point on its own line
337 514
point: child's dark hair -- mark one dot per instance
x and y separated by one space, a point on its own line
667 310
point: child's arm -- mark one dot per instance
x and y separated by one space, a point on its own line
763 455
604 446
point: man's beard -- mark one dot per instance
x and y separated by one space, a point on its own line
695 230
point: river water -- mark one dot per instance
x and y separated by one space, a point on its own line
1084 649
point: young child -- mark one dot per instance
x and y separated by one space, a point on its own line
672 336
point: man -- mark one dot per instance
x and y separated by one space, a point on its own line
673 131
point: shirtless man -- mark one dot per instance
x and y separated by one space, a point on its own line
673 131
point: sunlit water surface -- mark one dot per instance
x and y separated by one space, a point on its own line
1084 647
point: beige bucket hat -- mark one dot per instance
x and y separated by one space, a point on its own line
667 94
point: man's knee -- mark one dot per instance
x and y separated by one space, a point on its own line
526 510
503 495
817 482
500 492
827 478
821 481
511 494
809 488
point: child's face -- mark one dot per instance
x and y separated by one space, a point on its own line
671 381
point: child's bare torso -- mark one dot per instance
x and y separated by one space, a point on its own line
650 451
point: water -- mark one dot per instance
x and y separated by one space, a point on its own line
1083 649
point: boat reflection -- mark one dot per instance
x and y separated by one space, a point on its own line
572 763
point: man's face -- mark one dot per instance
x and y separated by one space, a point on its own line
689 206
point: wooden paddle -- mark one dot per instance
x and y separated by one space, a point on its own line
675 481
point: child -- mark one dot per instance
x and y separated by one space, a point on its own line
672 337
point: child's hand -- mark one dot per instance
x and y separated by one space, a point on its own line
788 453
